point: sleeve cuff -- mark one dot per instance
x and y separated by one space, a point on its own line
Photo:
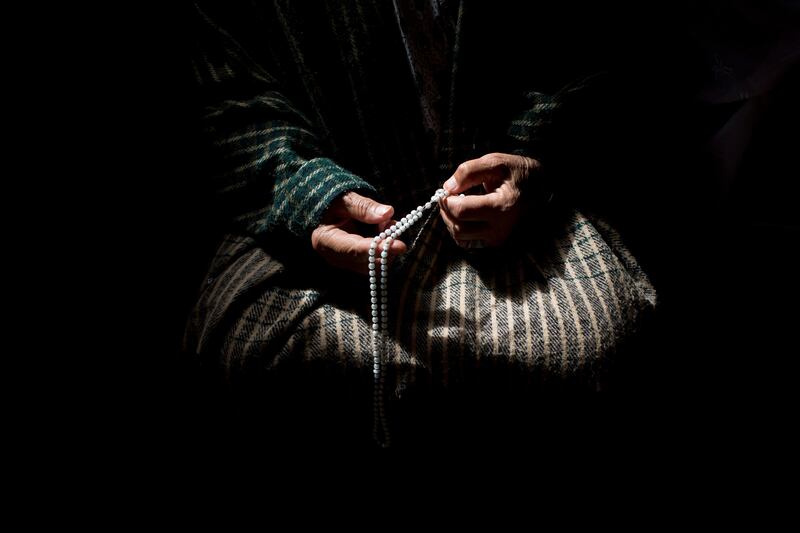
528 133
302 198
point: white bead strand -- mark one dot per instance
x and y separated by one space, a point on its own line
380 311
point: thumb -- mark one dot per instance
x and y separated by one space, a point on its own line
475 172
366 209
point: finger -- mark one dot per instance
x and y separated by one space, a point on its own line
396 248
336 214
345 244
477 207
490 167
356 246
350 251
482 232
366 209
344 250
386 224
466 230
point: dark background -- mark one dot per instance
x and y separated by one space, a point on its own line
714 225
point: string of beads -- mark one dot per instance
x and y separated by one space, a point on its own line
379 297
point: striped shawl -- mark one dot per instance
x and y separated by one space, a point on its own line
299 107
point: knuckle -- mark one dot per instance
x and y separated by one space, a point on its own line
347 199
351 251
494 161
356 204
361 205
445 216
456 209
530 163
318 239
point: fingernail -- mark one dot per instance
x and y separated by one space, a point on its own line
450 184
380 210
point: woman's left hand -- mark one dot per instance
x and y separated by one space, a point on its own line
487 219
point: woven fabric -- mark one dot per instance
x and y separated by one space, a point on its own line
555 308
302 104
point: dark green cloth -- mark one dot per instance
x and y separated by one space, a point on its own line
302 102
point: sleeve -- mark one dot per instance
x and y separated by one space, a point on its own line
554 128
267 162
559 97
535 129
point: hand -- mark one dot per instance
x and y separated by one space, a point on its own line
489 217
335 238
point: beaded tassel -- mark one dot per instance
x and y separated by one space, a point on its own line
380 311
